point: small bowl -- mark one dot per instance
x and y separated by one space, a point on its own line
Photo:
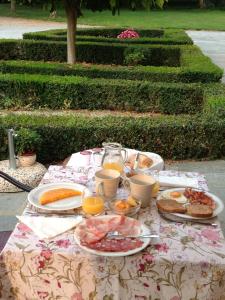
129 211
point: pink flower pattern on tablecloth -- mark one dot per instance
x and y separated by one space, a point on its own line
188 262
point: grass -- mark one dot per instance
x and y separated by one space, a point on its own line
170 18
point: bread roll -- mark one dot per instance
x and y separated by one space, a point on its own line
143 162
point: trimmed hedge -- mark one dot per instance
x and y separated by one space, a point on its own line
58 92
90 52
195 67
180 137
169 37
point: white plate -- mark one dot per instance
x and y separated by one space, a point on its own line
143 229
64 204
158 163
219 204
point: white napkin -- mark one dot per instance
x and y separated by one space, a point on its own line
175 181
48 227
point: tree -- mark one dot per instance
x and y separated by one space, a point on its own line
73 11
13 5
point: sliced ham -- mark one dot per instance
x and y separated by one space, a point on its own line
114 245
93 231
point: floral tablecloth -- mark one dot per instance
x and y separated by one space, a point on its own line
188 263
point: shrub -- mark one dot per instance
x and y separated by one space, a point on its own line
27 141
57 92
167 36
195 67
102 53
173 137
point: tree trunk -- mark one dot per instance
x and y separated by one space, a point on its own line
201 4
71 13
13 5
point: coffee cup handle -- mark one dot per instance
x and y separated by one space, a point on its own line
100 189
126 183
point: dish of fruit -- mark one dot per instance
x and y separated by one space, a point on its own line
128 207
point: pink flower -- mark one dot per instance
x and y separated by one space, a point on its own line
162 247
24 228
148 257
128 34
204 264
141 268
63 243
210 234
77 296
42 295
41 264
46 254
175 298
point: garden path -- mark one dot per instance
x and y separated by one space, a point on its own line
14 28
212 44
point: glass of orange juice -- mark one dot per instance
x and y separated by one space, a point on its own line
92 204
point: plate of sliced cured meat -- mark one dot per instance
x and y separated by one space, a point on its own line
189 203
91 235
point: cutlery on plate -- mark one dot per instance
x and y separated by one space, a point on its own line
117 235
136 161
174 218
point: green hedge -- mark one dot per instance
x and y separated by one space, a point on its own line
56 92
195 67
180 137
101 53
170 37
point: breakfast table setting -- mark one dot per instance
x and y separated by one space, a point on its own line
113 224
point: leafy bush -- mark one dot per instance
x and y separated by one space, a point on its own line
27 141
134 58
72 92
101 53
195 67
173 137
167 36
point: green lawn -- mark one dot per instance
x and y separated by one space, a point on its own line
181 18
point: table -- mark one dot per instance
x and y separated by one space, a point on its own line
187 264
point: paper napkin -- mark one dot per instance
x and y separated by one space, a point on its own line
175 181
49 227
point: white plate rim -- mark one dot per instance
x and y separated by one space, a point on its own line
217 211
47 186
146 241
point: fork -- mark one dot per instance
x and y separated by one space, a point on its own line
117 235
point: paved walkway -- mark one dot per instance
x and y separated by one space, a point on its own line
14 28
212 44
12 204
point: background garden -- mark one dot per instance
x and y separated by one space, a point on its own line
157 92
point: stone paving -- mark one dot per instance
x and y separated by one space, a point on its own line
212 44
12 204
